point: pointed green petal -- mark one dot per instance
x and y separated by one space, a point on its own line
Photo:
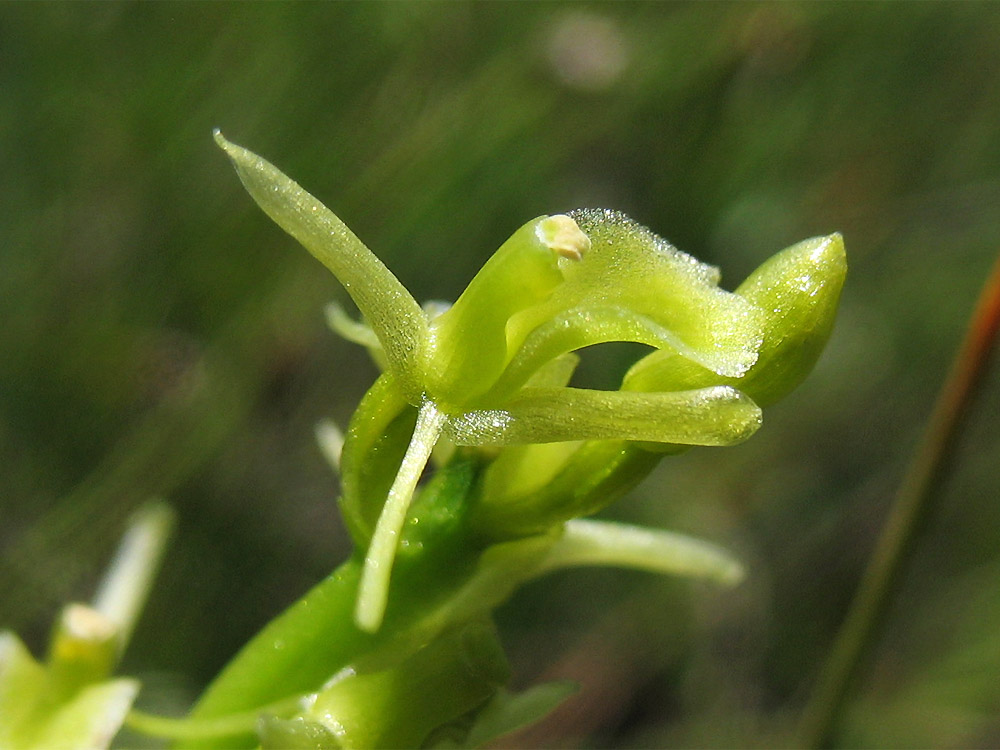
471 341
393 314
800 290
710 416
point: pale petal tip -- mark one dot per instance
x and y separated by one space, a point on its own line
228 146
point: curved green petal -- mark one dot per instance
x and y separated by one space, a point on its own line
799 288
391 311
630 267
374 445
719 415
471 344
575 329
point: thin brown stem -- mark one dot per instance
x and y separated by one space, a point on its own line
914 504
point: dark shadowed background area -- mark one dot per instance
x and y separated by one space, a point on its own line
160 337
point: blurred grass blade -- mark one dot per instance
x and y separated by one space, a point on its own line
125 587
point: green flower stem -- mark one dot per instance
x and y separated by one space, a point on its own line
914 504
196 729
588 542
434 585
373 591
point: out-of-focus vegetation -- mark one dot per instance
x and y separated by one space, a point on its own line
161 337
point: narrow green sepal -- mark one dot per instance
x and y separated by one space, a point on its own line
610 544
373 591
391 311
718 415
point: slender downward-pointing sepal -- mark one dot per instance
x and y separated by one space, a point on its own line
388 307
589 542
373 591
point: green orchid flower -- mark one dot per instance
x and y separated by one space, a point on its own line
474 373
482 388
71 699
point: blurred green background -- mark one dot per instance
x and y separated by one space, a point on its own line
161 337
